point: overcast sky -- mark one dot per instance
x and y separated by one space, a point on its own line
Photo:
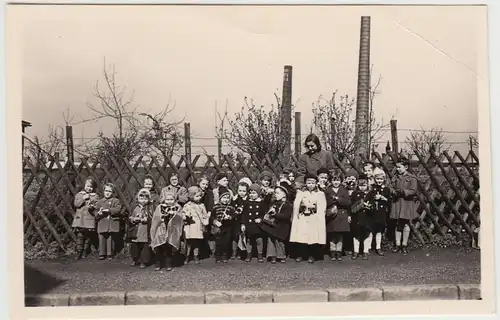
198 56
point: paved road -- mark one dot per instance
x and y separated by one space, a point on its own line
446 266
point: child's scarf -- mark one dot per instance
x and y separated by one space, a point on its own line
171 233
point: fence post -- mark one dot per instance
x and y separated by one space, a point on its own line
219 149
286 111
69 144
187 141
298 135
394 135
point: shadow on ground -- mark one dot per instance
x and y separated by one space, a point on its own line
38 282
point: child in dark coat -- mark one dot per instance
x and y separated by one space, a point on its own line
239 202
338 203
276 223
84 220
250 219
139 230
380 199
221 225
360 218
109 219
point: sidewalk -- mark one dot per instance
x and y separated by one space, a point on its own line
420 267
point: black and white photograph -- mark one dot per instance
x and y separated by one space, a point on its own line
252 154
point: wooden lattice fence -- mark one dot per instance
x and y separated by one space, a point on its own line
448 197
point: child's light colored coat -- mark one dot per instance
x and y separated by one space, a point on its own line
309 229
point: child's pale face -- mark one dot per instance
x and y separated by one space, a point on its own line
203 184
225 199
169 201
363 187
291 177
323 178
88 187
174 181
108 192
253 195
148 184
143 200
242 191
368 170
336 182
265 182
197 197
311 184
279 194
223 182
283 176
379 180
401 168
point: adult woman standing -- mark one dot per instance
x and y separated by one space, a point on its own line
313 159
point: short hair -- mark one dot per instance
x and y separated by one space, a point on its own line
403 160
243 184
203 177
369 163
313 138
93 182
150 177
111 185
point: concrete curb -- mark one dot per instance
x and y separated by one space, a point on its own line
385 293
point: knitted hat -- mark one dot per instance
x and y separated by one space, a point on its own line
246 180
193 191
255 187
351 173
168 194
379 173
310 176
266 174
223 192
144 192
220 176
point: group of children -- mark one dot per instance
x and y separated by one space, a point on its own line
345 212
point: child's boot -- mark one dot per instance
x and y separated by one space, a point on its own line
234 255
355 255
333 255
260 258
339 255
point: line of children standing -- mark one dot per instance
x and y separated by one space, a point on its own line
343 213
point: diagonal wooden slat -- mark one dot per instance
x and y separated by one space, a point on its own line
455 212
467 167
58 212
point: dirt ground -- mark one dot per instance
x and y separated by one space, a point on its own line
444 266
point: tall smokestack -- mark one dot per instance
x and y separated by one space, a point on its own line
286 111
363 97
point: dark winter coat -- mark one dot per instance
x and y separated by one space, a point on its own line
254 209
337 222
380 208
218 212
109 221
310 163
405 205
239 205
283 211
360 217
